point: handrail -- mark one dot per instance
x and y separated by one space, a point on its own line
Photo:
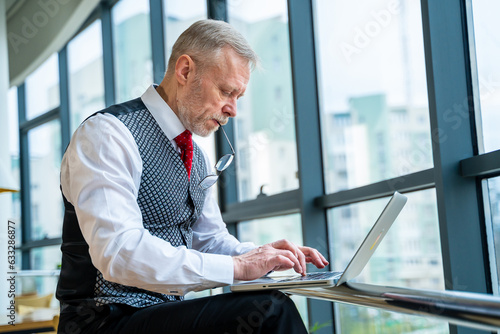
36 272
468 309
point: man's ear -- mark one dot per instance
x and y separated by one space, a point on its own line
183 69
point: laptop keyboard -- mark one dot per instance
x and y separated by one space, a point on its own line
314 276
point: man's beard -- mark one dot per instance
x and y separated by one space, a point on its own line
196 124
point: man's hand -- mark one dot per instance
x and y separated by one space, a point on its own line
278 255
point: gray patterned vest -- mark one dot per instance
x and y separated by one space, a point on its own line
169 203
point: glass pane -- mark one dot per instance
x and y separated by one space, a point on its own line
46 258
373 93
179 15
494 195
486 27
41 284
265 129
42 88
45 160
263 231
409 256
132 48
86 77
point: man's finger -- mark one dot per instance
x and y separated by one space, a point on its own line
314 257
288 254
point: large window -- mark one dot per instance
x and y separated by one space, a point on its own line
266 149
132 48
375 118
42 88
375 126
86 78
45 160
42 210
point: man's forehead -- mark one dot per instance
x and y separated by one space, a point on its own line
234 69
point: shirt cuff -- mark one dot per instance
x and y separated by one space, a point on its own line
242 248
218 268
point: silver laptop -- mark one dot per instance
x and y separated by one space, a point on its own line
330 278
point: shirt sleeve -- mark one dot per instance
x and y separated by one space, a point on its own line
210 234
100 176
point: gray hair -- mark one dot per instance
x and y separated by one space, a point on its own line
204 40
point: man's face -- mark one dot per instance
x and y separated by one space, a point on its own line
211 96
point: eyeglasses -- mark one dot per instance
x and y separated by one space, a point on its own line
220 166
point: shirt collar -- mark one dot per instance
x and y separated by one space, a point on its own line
162 113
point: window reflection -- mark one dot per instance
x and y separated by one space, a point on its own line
86 78
42 88
265 128
486 27
373 92
132 48
45 160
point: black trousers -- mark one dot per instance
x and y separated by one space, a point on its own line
231 313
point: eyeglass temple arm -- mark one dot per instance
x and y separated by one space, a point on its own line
224 132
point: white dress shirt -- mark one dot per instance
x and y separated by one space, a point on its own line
101 175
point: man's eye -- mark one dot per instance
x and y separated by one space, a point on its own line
226 93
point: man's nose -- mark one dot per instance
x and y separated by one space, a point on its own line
230 108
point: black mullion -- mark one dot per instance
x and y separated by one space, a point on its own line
64 99
459 199
263 207
217 10
407 183
108 55
157 39
308 134
50 115
25 178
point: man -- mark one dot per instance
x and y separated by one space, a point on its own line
140 230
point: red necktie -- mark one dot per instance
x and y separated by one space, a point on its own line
185 143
